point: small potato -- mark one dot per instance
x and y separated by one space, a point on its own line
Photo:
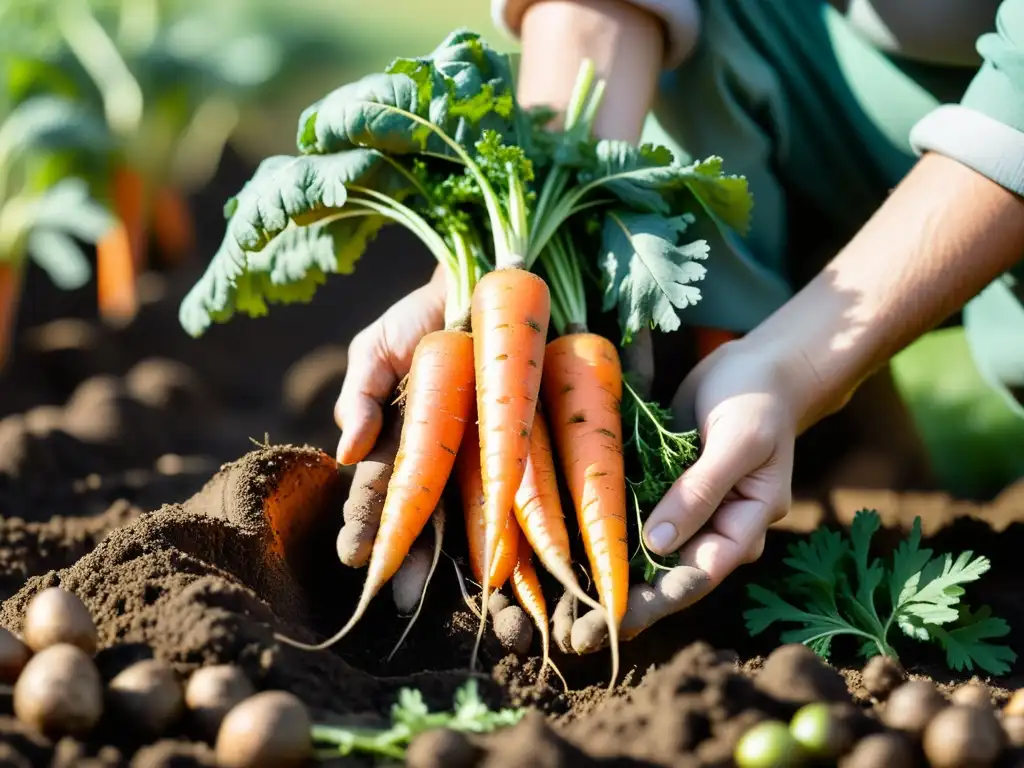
912 706
441 748
1015 706
268 730
212 692
1013 727
14 655
147 695
562 620
514 630
882 675
60 692
963 736
880 750
497 602
58 616
972 695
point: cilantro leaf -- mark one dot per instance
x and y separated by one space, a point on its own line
966 646
647 274
838 580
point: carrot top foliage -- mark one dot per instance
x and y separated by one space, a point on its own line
439 145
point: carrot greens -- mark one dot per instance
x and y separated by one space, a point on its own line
841 590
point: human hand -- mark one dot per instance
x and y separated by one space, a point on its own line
379 357
717 513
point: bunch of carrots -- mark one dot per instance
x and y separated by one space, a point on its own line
516 392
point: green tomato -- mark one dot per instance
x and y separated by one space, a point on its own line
768 745
819 731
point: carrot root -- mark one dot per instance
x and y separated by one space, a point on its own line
115 275
439 401
173 226
10 294
526 588
438 520
510 312
582 391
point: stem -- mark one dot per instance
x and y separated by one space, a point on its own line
566 284
499 224
394 210
98 55
461 283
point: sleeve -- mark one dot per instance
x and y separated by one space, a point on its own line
985 131
680 17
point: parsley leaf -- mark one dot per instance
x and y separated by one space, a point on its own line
838 583
410 717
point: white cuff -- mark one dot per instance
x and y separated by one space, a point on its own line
680 17
993 149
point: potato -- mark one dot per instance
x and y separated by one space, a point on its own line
497 601
441 748
514 630
963 737
911 706
268 730
880 750
147 695
881 676
14 655
769 744
57 616
1015 706
212 692
972 695
1013 727
59 692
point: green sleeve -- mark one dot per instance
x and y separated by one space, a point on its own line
985 131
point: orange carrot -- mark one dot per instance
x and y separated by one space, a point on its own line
471 489
129 193
511 309
115 275
582 390
438 403
526 588
10 293
538 509
710 339
173 227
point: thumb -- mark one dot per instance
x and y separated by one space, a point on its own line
731 452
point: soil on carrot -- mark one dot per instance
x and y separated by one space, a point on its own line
185 491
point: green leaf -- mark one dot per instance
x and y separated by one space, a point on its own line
907 563
932 597
819 557
725 196
647 274
60 257
869 572
649 168
966 643
288 270
52 123
68 207
816 627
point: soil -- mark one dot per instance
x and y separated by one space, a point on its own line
185 491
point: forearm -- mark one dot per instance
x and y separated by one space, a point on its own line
625 43
943 234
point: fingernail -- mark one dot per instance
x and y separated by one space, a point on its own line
661 537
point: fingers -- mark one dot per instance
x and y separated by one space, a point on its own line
735 537
379 356
672 591
365 501
562 620
731 452
408 583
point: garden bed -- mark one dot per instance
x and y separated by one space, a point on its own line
111 485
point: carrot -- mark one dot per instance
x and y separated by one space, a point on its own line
510 312
526 588
582 390
115 274
438 403
129 196
10 293
471 489
710 339
173 226
538 509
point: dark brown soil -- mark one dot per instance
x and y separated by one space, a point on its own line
120 480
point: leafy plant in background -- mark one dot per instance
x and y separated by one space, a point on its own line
167 78
837 584
411 717
40 218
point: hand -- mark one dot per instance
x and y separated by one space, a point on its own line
717 513
379 357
